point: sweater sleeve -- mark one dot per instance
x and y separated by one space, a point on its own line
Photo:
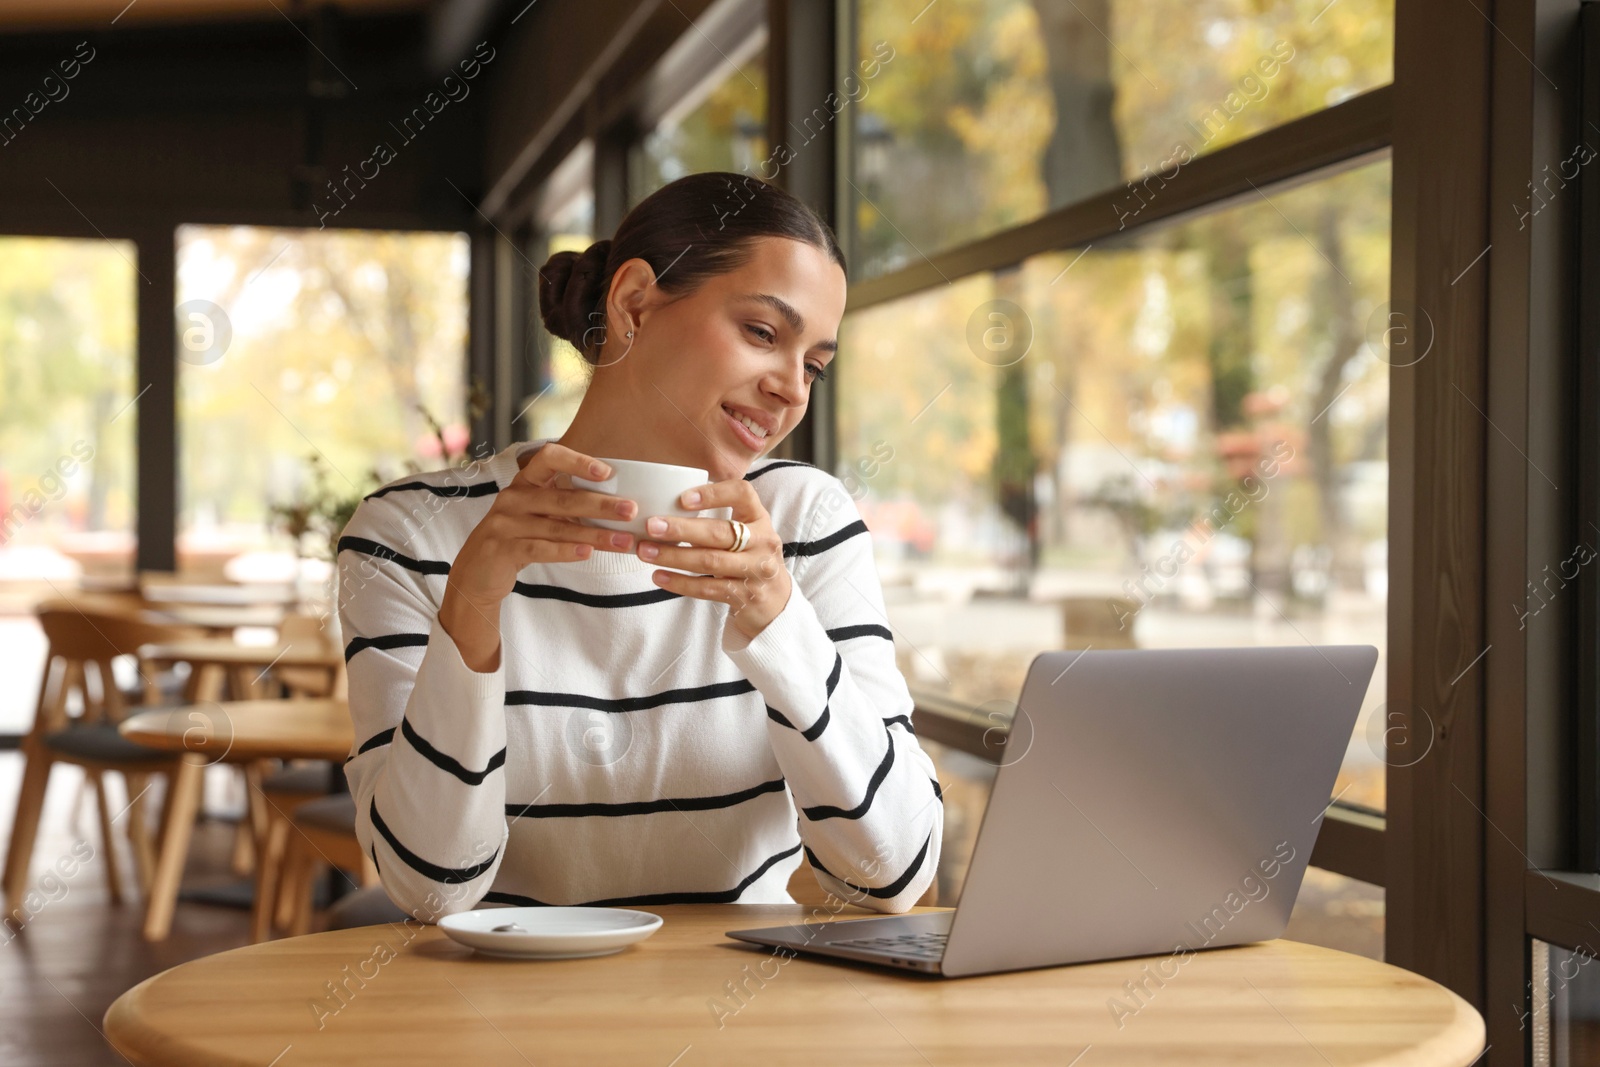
871 811
430 742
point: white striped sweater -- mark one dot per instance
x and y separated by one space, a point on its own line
632 747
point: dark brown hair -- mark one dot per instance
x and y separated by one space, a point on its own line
689 230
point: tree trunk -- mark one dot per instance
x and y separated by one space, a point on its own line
1014 461
1084 155
1344 335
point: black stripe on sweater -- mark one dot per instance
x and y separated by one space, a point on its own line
833 676
384 641
816 728
372 548
845 633
643 807
475 489
828 811
812 732
712 896
621 704
778 465
894 888
594 600
902 720
447 875
450 763
377 740
813 548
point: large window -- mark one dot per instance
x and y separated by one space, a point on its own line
1175 439
719 125
567 225
309 349
67 422
1139 423
972 116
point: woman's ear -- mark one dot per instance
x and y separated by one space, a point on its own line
633 287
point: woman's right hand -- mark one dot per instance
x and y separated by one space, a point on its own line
532 520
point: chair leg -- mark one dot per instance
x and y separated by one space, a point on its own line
144 856
25 825
183 803
300 867
288 888
269 877
108 839
305 897
253 829
75 819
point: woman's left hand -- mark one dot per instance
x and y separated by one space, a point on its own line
754 583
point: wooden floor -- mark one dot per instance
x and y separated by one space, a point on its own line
78 953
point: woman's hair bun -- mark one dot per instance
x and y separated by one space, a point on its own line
570 286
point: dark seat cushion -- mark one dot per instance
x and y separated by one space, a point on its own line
336 813
312 777
364 907
101 742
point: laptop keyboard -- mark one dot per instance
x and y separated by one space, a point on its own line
928 946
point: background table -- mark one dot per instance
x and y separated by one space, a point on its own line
406 994
244 665
241 731
217 595
221 621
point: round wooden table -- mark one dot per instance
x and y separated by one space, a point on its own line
244 665
241 731
688 997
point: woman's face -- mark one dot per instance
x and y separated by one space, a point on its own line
719 376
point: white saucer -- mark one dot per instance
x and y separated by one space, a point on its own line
550 933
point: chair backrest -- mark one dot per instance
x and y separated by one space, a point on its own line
84 632
302 629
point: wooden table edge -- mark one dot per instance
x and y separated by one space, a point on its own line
121 1016
1460 1042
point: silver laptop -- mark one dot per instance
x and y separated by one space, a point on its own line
1148 801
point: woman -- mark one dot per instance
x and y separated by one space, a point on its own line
544 715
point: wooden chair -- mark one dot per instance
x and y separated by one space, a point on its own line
323 831
283 790
299 628
283 793
85 636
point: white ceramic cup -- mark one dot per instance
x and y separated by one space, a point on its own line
655 487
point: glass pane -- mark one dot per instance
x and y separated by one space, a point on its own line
971 116
570 228
305 350
67 423
1338 912
721 126
1563 1007
1176 440
965 781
